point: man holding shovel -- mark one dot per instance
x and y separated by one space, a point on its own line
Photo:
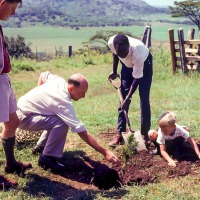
136 71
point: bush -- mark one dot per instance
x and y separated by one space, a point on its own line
17 47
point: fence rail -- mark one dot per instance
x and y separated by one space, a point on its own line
185 54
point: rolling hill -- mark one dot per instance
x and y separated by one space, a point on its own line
76 13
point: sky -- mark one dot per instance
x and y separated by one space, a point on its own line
161 2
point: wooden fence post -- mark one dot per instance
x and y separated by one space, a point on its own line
172 50
146 38
198 53
36 54
70 51
182 51
148 43
191 33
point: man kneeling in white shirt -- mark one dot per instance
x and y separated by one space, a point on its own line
48 107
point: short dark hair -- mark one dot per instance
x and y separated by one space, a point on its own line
73 82
120 40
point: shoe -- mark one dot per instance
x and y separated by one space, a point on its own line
18 167
5 182
116 141
53 163
37 150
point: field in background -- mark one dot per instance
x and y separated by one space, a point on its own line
46 39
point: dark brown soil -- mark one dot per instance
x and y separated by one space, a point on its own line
142 168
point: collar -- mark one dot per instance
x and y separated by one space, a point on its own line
67 91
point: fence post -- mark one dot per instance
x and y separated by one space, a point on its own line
191 33
146 38
172 50
182 51
36 54
70 51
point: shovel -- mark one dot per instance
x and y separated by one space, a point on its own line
137 134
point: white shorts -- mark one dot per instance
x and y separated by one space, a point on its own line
8 103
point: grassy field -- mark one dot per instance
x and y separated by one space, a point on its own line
98 111
47 38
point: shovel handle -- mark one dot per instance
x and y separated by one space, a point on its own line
125 113
128 121
118 87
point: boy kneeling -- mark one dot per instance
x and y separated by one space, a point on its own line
170 138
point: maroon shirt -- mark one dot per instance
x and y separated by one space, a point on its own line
7 65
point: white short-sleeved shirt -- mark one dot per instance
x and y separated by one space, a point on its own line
138 53
51 98
179 131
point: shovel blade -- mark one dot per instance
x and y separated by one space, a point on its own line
138 137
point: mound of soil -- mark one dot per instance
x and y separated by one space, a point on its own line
142 168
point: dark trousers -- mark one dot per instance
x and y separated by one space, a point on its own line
179 148
144 93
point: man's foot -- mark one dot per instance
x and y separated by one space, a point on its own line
116 141
5 182
53 163
18 168
37 150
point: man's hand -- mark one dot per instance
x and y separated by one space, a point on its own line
172 163
111 157
112 76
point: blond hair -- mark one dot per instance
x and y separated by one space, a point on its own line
167 118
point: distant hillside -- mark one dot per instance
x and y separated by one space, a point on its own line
77 13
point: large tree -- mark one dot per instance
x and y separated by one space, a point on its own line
189 9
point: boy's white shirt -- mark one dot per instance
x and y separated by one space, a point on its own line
179 131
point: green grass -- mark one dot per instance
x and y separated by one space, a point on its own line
98 111
47 38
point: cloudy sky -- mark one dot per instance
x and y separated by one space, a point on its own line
161 2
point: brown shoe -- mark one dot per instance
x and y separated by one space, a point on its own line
5 182
116 141
18 168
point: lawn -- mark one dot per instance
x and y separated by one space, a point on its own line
48 38
98 111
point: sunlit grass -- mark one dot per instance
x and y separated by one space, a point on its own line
98 111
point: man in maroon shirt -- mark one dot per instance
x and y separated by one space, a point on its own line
8 105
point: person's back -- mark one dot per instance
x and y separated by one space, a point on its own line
46 98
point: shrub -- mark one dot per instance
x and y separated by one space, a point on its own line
17 47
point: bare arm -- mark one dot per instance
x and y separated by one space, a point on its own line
40 81
90 140
194 146
113 74
133 88
166 156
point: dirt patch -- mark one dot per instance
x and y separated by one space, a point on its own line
141 169
85 173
